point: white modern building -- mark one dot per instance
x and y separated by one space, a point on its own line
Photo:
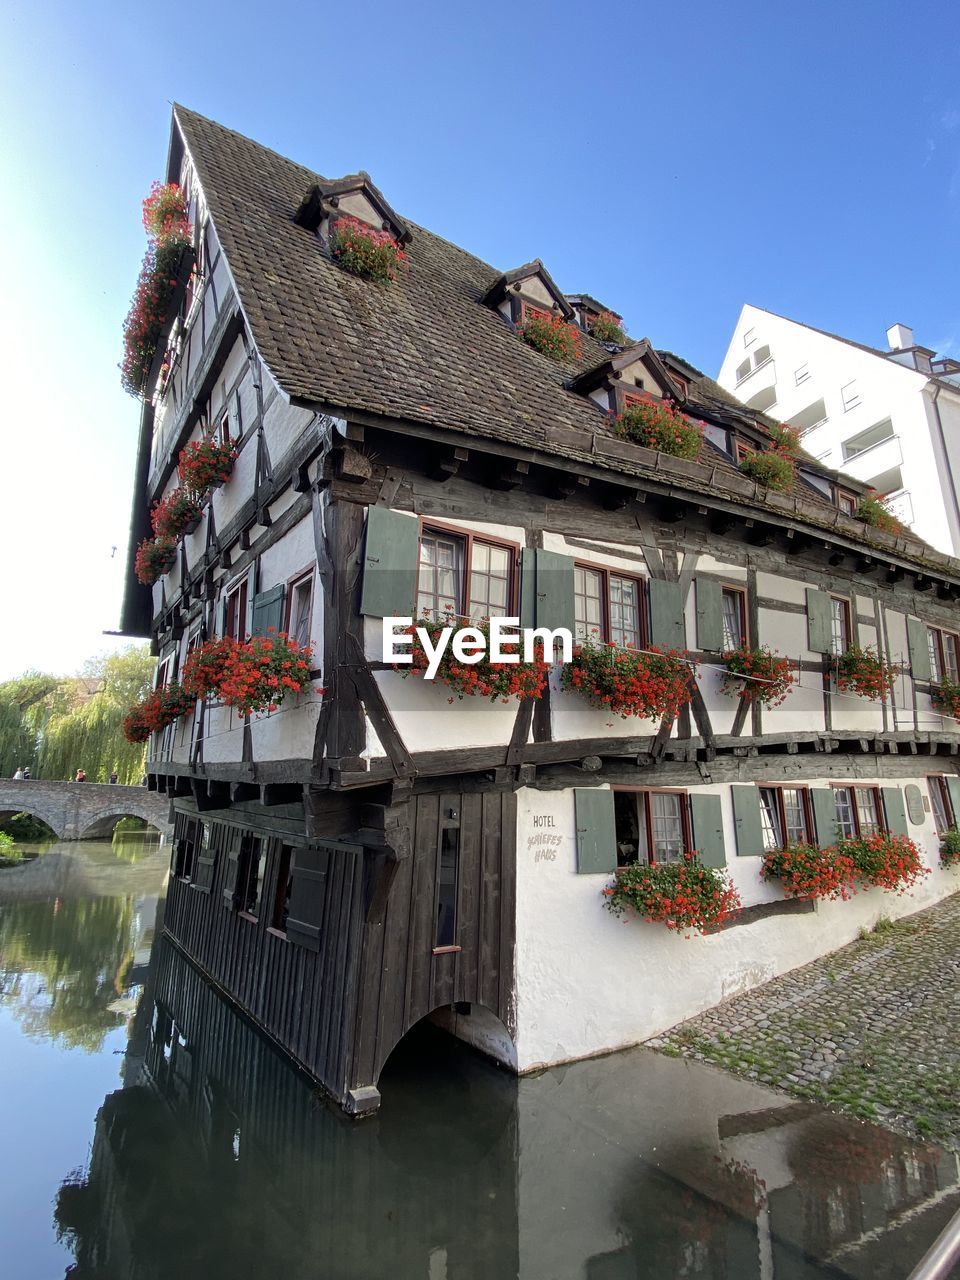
890 419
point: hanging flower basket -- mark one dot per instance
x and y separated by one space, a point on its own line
626 682
773 468
806 871
205 465
863 672
159 708
550 335
164 211
757 675
364 251
682 895
498 681
205 669
256 675
657 425
175 515
155 557
945 696
606 328
888 862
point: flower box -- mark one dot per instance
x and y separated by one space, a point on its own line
204 465
756 675
176 515
550 335
657 425
685 895
498 681
364 251
771 468
155 557
945 696
864 672
628 682
256 675
807 871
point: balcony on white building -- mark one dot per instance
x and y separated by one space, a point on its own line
757 387
875 463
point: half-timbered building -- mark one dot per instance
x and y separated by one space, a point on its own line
365 857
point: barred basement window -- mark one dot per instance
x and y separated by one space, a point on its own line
651 826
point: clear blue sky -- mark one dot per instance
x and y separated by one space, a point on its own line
673 161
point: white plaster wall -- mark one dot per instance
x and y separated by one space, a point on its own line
429 716
287 733
887 390
588 982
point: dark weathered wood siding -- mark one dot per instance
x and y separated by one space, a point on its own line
339 1011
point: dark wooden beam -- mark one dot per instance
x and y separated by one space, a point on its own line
442 465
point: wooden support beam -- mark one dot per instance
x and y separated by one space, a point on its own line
272 793
508 474
242 791
616 499
564 484
673 510
444 464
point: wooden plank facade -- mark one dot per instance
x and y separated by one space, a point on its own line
377 852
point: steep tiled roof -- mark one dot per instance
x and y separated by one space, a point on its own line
424 348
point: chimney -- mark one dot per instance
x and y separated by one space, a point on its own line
899 337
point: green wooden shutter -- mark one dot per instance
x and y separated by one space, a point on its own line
666 615
706 813
391 556
709 614
895 813
206 863
230 876
919 646
953 786
824 803
268 611
555 603
528 587
596 831
819 627
308 890
746 814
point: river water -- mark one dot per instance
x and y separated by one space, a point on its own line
150 1132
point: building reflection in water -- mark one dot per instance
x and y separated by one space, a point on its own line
217 1160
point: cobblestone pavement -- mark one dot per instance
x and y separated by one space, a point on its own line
872 1030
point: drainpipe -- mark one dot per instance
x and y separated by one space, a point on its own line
946 457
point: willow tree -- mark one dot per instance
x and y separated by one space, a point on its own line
83 726
24 707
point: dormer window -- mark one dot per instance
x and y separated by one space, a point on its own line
846 501
635 373
528 288
353 197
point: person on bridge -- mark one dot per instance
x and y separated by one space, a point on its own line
113 777
81 776
26 773
18 776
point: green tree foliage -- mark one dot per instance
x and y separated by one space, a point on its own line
57 725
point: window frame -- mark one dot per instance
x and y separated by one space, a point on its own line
686 825
937 786
937 638
289 591
781 817
852 787
238 588
222 430
847 624
452 822
643 610
253 852
741 592
285 858
469 537
841 496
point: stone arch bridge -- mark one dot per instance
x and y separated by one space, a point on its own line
84 810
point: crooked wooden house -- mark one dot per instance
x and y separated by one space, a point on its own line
364 858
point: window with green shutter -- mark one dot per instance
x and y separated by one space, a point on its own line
268 611
390 559
819 621
747 821
824 803
666 615
706 813
596 830
918 644
709 614
894 811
